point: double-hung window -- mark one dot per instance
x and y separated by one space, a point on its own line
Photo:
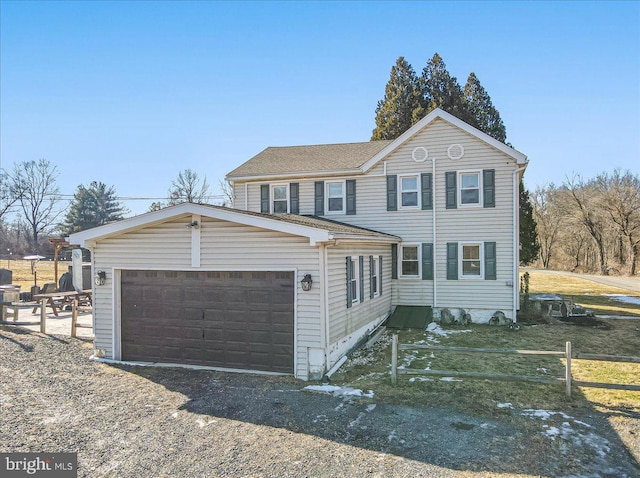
335 202
375 276
469 188
410 260
409 197
471 263
280 195
355 280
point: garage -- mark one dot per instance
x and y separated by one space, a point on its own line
229 319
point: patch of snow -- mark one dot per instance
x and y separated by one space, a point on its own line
339 391
552 432
201 423
371 407
174 415
542 369
505 405
543 414
432 356
356 421
435 329
420 379
450 379
626 299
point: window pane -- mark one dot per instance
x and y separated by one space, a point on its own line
470 196
410 268
335 204
280 193
410 253
335 190
354 290
410 184
470 180
375 284
409 199
471 252
471 268
279 206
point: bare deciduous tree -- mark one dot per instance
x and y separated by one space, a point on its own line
188 187
228 196
548 218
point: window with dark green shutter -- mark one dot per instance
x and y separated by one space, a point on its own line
452 260
380 275
372 277
294 198
361 277
265 206
351 196
427 191
488 187
394 261
319 198
349 281
451 190
392 193
427 261
490 272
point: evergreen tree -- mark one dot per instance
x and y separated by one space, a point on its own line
394 112
482 114
93 206
529 245
438 89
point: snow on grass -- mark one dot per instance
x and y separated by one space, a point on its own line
339 391
420 379
450 379
626 299
435 329
504 405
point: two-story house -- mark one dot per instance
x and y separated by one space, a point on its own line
321 244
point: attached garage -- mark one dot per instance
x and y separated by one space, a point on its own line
239 319
210 286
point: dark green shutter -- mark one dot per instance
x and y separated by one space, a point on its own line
380 275
489 187
427 191
349 298
264 199
452 260
451 190
427 261
319 198
361 268
351 196
394 261
294 198
372 264
392 193
490 261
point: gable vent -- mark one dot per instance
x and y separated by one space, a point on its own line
420 154
455 151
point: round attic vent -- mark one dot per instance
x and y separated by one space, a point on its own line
420 154
455 151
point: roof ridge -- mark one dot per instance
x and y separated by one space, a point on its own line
330 144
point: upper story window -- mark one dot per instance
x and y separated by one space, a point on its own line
469 188
471 263
409 191
335 202
280 195
375 276
410 260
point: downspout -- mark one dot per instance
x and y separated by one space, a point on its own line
516 241
433 215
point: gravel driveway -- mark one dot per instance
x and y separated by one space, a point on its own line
144 422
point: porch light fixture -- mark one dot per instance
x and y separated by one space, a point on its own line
306 282
194 225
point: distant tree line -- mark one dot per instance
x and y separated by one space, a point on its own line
590 225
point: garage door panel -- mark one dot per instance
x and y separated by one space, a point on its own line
233 319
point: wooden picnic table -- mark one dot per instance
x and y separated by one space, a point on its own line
58 300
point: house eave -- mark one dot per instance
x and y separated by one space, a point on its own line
294 175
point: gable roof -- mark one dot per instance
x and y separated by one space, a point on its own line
312 227
354 158
310 159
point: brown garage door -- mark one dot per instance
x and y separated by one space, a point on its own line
224 319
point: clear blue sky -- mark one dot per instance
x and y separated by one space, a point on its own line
130 93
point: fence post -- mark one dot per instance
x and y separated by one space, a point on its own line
74 317
394 359
567 372
43 316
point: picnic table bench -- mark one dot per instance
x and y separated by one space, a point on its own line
59 300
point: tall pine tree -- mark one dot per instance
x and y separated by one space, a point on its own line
481 112
93 206
394 112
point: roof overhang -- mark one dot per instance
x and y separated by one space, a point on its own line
437 113
294 175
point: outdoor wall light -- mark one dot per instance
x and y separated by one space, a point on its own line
194 225
306 282
100 278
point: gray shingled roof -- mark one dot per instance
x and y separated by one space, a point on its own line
309 159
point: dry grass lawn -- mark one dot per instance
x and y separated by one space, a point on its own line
22 272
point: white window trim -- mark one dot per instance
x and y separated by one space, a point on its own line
272 197
355 276
418 191
480 245
480 187
402 246
326 197
376 274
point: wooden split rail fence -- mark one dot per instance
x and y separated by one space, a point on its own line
566 354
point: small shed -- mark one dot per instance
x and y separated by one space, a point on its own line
230 289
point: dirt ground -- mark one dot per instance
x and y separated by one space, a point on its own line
148 421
